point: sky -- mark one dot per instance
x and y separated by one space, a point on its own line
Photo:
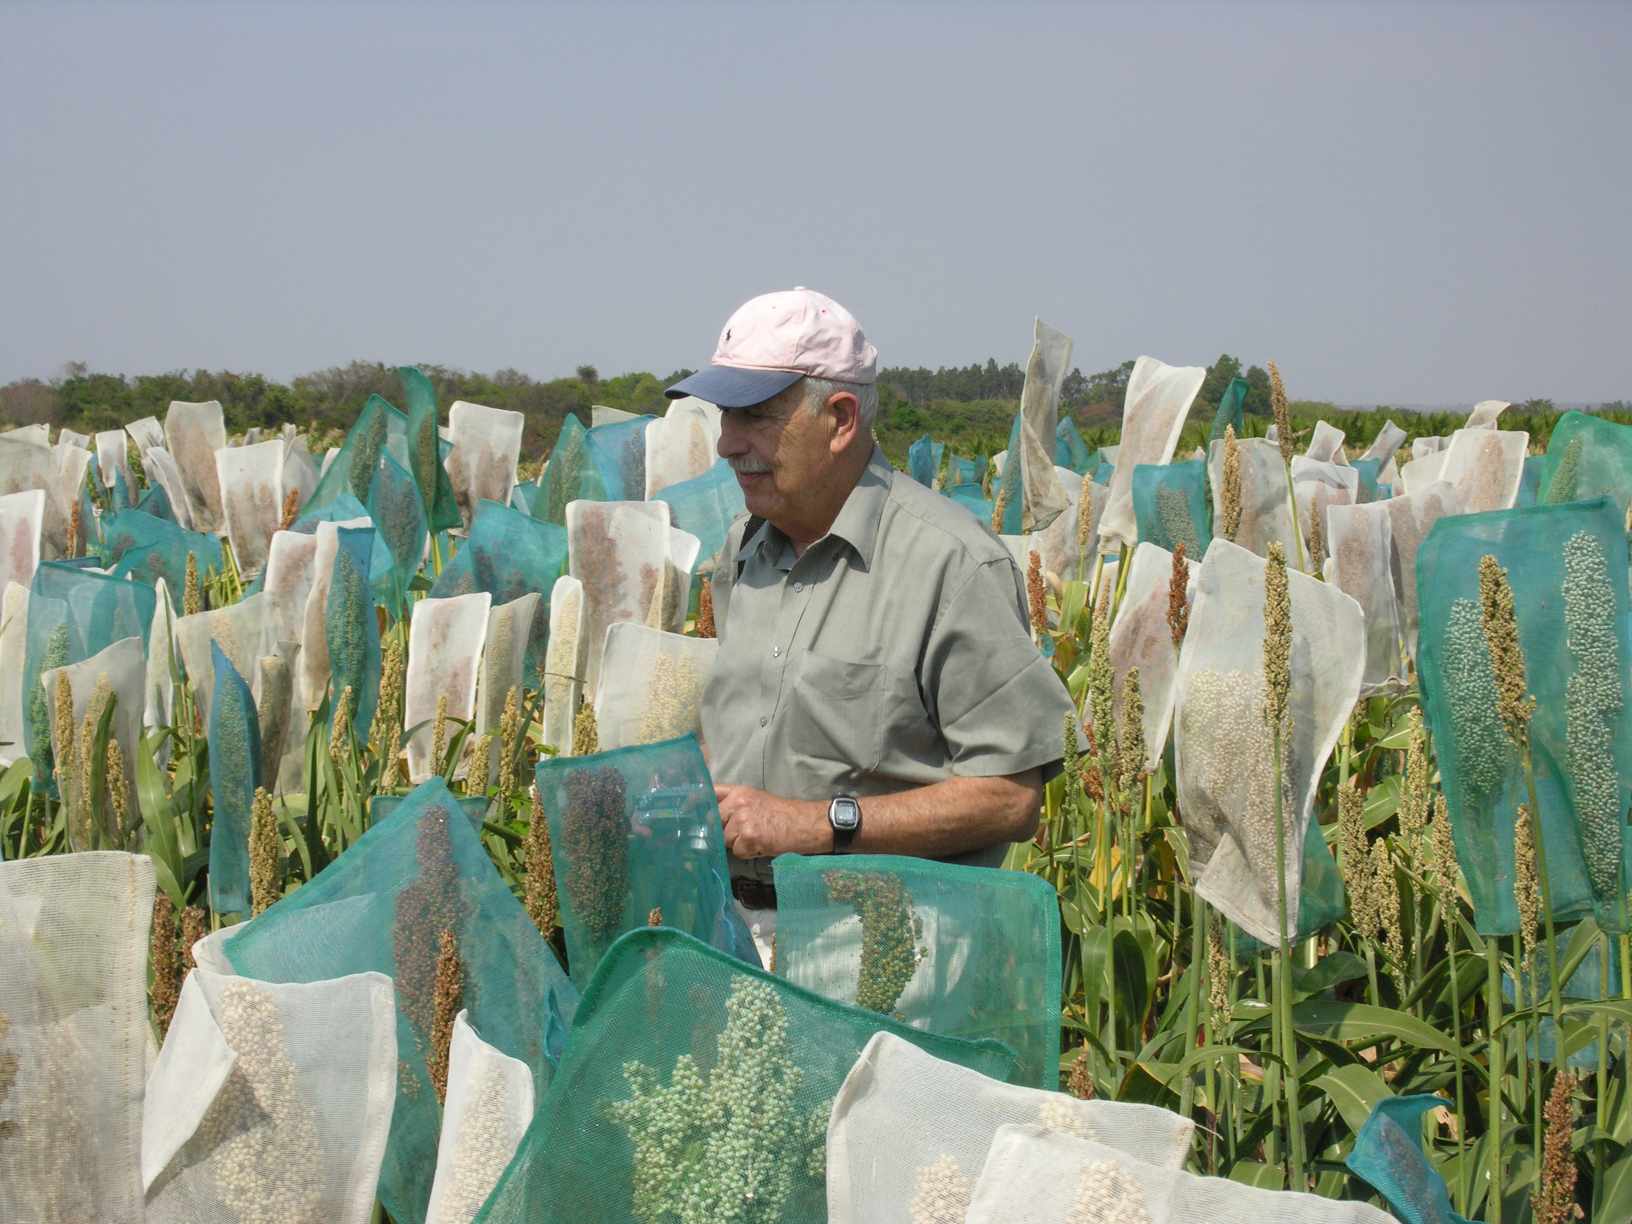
1400 203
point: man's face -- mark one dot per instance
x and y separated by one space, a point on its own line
780 454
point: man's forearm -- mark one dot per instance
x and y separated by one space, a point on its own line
950 817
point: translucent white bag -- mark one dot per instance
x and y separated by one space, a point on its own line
163 661
119 671
1222 742
1056 544
1429 445
290 559
1360 562
282 719
488 1108
1485 414
1153 411
445 640
565 661
1266 516
1388 440
651 685
161 471
22 522
1142 638
1411 516
13 650
192 434
246 631
504 664
1046 368
486 447
1486 467
314 643
633 565
1319 486
909 1133
680 445
251 483
146 433
63 491
39 433
73 1017
112 456
299 468
25 465
271 1102
1040 1176
1326 443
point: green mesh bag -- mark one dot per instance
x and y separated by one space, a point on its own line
425 451
1567 565
972 499
1172 506
235 762
965 471
924 460
148 548
1010 490
1321 900
618 452
399 518
508 554
968 952
705 506
1594 979
570 474
352 470
383 906
1590 457
1538 470
351 629
1070 449
1230 410
1368 490
382 807
72 615
636 836
1388 1155
695 1090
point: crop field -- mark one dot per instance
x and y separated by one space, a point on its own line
361 861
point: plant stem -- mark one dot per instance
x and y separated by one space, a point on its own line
1497 1067
1456 1032
1297 531
1546 887
1192 1024
1288 1048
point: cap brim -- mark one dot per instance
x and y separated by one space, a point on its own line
733 387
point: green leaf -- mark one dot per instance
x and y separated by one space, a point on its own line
1363 1024
1255 1173
1382 801
1331 970
1617 1201
1355 1090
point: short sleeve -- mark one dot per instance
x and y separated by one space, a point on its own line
1000 706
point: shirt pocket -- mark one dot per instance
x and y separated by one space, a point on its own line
836 712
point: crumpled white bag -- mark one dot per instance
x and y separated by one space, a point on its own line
145 432
680 445
1411 516
1388 440
13 652
565 662
1485 467
161 471
1325 444
22 524
651 685
486 448
1266 514
1153 411
488 1109
1042 498
1360 562
1142 638
192 434
1485 414
251 483
445 639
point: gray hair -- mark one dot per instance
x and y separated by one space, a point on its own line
819 390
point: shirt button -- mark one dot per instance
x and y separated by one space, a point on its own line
776 652
797 587
763 720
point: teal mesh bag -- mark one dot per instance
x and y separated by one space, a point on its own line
1172 506
235 761
1070 449
1388 1156
1230 410
352 470
635 836
399 518
1567 565
1368 491
1594 979
970 497
146 548
1590 457
705 506
382 566
425 451
350 628
383 906
695 1090
156 502
570 474
965 471
924 460
1010 491
382 807
72 615
618 452
509 554
968 952
1321 899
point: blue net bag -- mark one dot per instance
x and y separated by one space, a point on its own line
425 451
1368 490
570 474
966 471
1388 1155
1009 492
706 506
509 554
1567 566
399 517
235 763
618 452
1589 457
970 952
352 470
383 906
1596 977
636 836
924 460
696 1088
146 548
1230 411
1070 449
351 628
1171 505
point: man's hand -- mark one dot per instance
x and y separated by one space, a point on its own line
759 825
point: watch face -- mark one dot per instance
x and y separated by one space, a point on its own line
846 814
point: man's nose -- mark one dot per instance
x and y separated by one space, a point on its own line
733 438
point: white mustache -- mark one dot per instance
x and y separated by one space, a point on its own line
749 467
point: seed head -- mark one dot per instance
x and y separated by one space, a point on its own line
1567 476
1000 506
1035 595
1388 909
62 736
1501 629
890 930
195 924
75 529
705 610
510 737
1526 883
654 916
265 854
1283 415
340 728
1554 1202
1178 608
1101 676
439 733
586 737
1355 860
118 792
1317 536
481 758
539 886
1277 639
1080 1082
166 956
1442 857
1085 516
1133 732
1413 810
447 998
1218 985
1230 494
1592 704
192 594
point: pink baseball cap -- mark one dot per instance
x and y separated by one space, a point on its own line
774 340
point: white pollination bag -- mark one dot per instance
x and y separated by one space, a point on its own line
1485 467
1035 1175
117 674
251 483
909 1133
1360 564
192 434
271 1101
1154 407
1325 444
1222 739
680 445
290 566
1266 514
445 640
1411 517
489 1105
504 668
651 685
1485 414
146 433
1042 498
565 662
1141 637
1388 440
486 448
73 1023
112 457
245 632
163 474
13 652
22 523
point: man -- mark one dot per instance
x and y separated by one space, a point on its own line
876 689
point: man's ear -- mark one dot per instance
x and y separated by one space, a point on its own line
847 425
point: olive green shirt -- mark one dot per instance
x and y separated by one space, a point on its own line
895 653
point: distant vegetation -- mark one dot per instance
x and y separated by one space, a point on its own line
967 407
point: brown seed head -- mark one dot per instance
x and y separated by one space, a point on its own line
586 736
654 918
447 998
1501 628
1000 507
1317 536
1283 415
291 507
195 924
1554 1201
118 793
1230 494
76 529
166 956
705 610
539 886
265 854
192 594
1218 985
1080 1082
510 737
1178 608
1277 640
1036 595
340 728
1526 883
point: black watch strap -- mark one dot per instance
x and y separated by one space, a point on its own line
844 815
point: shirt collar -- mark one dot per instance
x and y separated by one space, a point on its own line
856 524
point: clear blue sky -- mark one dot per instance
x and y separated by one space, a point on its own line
1405 203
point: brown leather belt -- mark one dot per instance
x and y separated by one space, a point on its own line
755 894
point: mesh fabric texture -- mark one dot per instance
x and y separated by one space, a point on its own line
490 1103
1171 505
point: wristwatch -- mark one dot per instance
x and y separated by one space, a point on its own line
844 814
